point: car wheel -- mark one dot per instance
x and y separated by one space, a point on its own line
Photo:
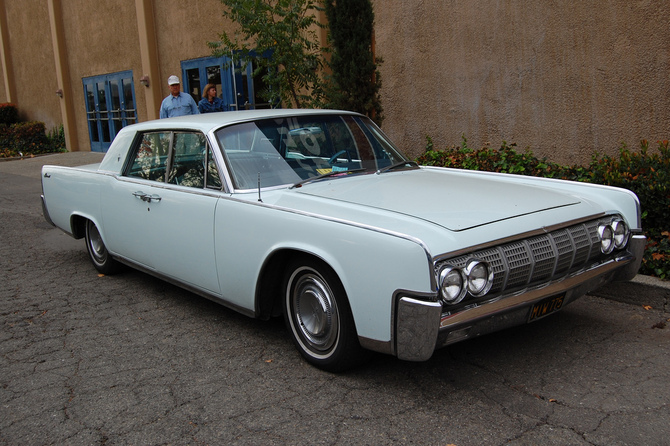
97 250
317 314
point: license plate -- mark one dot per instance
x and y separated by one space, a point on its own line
546 307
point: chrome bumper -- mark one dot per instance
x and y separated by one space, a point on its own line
45 212
421 327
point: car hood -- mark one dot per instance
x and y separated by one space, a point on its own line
453 199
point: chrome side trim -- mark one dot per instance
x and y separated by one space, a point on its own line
214 298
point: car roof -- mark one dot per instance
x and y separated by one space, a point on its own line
208 121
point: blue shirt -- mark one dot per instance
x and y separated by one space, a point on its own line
207 107
181 105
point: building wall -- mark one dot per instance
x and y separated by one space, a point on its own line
184 28
564 78
32 64
100 38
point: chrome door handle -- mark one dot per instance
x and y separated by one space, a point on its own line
141 195
146 197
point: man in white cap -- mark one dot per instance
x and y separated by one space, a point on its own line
177 103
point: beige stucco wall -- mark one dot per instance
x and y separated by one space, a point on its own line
184 28
565 78
32 65
101 38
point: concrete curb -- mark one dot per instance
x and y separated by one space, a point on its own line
642 290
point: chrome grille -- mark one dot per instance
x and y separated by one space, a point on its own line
538 259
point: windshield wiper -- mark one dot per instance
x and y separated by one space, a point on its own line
332 173
410 164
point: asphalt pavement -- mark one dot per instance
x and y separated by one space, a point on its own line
88 359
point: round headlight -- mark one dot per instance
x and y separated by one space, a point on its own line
452 285
480 278
620 233
606 234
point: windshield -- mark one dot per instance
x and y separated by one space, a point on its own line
294 150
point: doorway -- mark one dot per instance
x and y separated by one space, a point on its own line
110 106
235 84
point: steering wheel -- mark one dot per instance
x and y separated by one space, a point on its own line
332 159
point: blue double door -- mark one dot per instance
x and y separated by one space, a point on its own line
235 83
110 106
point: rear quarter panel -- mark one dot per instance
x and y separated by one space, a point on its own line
71 191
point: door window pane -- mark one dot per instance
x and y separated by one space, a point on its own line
214 77
193 79
188 161
104 115
115 111
91 114
213 178
151 155
129 101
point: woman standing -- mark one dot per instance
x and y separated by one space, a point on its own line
210 102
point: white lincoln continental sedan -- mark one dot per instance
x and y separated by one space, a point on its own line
316 216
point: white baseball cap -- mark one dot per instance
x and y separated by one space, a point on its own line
172 80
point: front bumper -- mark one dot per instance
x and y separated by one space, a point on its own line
421 327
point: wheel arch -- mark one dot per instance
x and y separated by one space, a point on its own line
78 225
269 285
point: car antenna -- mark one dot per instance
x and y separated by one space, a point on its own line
259 187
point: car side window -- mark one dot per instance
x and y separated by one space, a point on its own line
187 167
213 178
151 156
182 158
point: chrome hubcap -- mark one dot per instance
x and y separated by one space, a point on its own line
95 241
314 311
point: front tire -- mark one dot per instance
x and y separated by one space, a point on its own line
317 315
97 251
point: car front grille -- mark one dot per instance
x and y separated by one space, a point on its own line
539 259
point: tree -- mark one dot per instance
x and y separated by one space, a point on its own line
280 37
355 82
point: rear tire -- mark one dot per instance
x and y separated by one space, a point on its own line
317 315
97 251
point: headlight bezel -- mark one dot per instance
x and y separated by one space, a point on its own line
475 279
478 271
613 235
447 272
621 233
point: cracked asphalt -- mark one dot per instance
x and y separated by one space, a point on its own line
128 359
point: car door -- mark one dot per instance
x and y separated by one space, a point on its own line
160 213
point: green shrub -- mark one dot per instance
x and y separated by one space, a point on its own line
30 137
24 139
9 113
56 137
646 174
